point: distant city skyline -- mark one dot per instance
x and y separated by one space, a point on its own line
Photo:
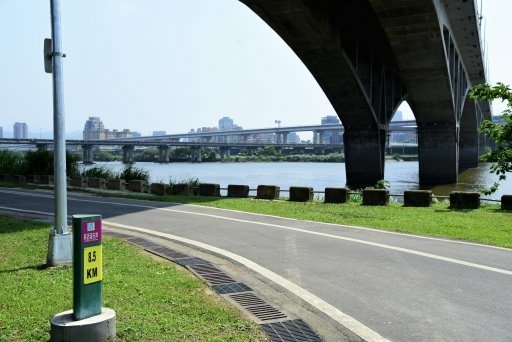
184 65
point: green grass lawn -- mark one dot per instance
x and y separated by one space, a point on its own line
488 225
153 299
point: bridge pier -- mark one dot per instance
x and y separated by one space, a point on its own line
163 154
468 135
197 154
482 143
468 145
87 154
284 137
225 152
128 154
364 155
438 153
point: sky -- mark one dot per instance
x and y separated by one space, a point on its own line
172 65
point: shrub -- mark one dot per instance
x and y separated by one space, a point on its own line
99 172
10 162
133 173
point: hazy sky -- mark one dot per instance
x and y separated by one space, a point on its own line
171 65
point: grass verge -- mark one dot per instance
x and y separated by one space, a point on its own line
154 300
488 225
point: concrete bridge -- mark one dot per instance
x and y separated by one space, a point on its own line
370 55
280 132
198 141
128 146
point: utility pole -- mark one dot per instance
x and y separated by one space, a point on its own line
60 241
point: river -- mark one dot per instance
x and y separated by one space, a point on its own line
401 175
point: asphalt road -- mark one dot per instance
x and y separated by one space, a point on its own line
404 288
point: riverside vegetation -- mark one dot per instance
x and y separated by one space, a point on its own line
154 299
40 162
185 154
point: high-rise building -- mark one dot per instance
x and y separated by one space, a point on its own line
293 138
94 129
20 130
1 133
226 124
331 137
159 133
330 119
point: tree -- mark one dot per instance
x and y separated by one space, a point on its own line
501 157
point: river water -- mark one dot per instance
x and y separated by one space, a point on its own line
401 175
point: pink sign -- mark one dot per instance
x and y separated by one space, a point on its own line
91 231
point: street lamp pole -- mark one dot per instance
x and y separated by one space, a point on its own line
60 242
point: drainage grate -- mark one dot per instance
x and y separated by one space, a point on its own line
191 261
291 330
256 306
231 288
218 278
295 330
141 242
247 299
168 253
205 269
265 312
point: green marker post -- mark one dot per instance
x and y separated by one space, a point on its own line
87 266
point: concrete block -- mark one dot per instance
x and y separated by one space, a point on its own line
18 178
80 182
375 197
269 192
418 198
238 190
506 202
46 180
138 185
97 183
160 189
116 184
99 328
464 200
34 179
207 189
301 194
336 195
183 189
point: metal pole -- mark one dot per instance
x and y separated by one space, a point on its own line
60 251
61 211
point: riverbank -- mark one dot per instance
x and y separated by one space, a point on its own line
154 300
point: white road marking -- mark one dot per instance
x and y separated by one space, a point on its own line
343 226
299 230
347 321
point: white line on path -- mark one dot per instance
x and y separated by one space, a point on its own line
305 231
347 321
343 226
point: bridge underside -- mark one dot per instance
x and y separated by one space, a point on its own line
370 55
